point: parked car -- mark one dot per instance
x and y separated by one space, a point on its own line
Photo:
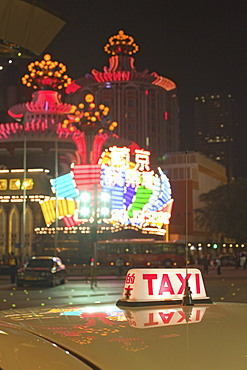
42 270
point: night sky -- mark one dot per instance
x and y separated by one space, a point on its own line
201 45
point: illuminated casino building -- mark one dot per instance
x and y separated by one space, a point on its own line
144 102
74 148
110 137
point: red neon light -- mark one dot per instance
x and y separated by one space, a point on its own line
113 63
97 147
163 82
81 145
71 88
86 176
70 221
111 76
153 77
166 115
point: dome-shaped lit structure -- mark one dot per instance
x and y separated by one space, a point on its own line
145 103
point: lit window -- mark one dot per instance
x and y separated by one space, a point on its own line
15 184
3 184
28 184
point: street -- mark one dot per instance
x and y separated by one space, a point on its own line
73 292
230 286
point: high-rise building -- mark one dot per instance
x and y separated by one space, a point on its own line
214 122
145 103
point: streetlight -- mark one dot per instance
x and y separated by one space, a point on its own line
88 207
24 204
187 299
56 205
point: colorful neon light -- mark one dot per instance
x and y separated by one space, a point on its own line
140 198
64 186
66 207
86 176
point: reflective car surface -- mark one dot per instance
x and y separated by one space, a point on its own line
42 270
112 338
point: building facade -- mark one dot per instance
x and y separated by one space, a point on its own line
190 174
214 122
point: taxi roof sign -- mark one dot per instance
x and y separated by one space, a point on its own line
146 287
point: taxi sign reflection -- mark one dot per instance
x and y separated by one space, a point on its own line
164 316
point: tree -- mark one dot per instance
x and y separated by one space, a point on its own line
225 211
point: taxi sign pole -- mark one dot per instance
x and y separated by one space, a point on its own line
187 299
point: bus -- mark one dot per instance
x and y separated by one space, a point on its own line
141 253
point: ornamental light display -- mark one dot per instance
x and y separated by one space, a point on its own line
88 125
121 49
89 118
140 199
95 124
44 113
46 74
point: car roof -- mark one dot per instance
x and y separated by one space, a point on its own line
111 337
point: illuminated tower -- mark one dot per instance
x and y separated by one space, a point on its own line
214 128
145 103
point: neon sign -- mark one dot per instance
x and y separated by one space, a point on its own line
139 197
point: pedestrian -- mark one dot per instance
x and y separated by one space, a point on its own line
237 261
120 264
243 260
13 265
206 263
245 263
218 265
